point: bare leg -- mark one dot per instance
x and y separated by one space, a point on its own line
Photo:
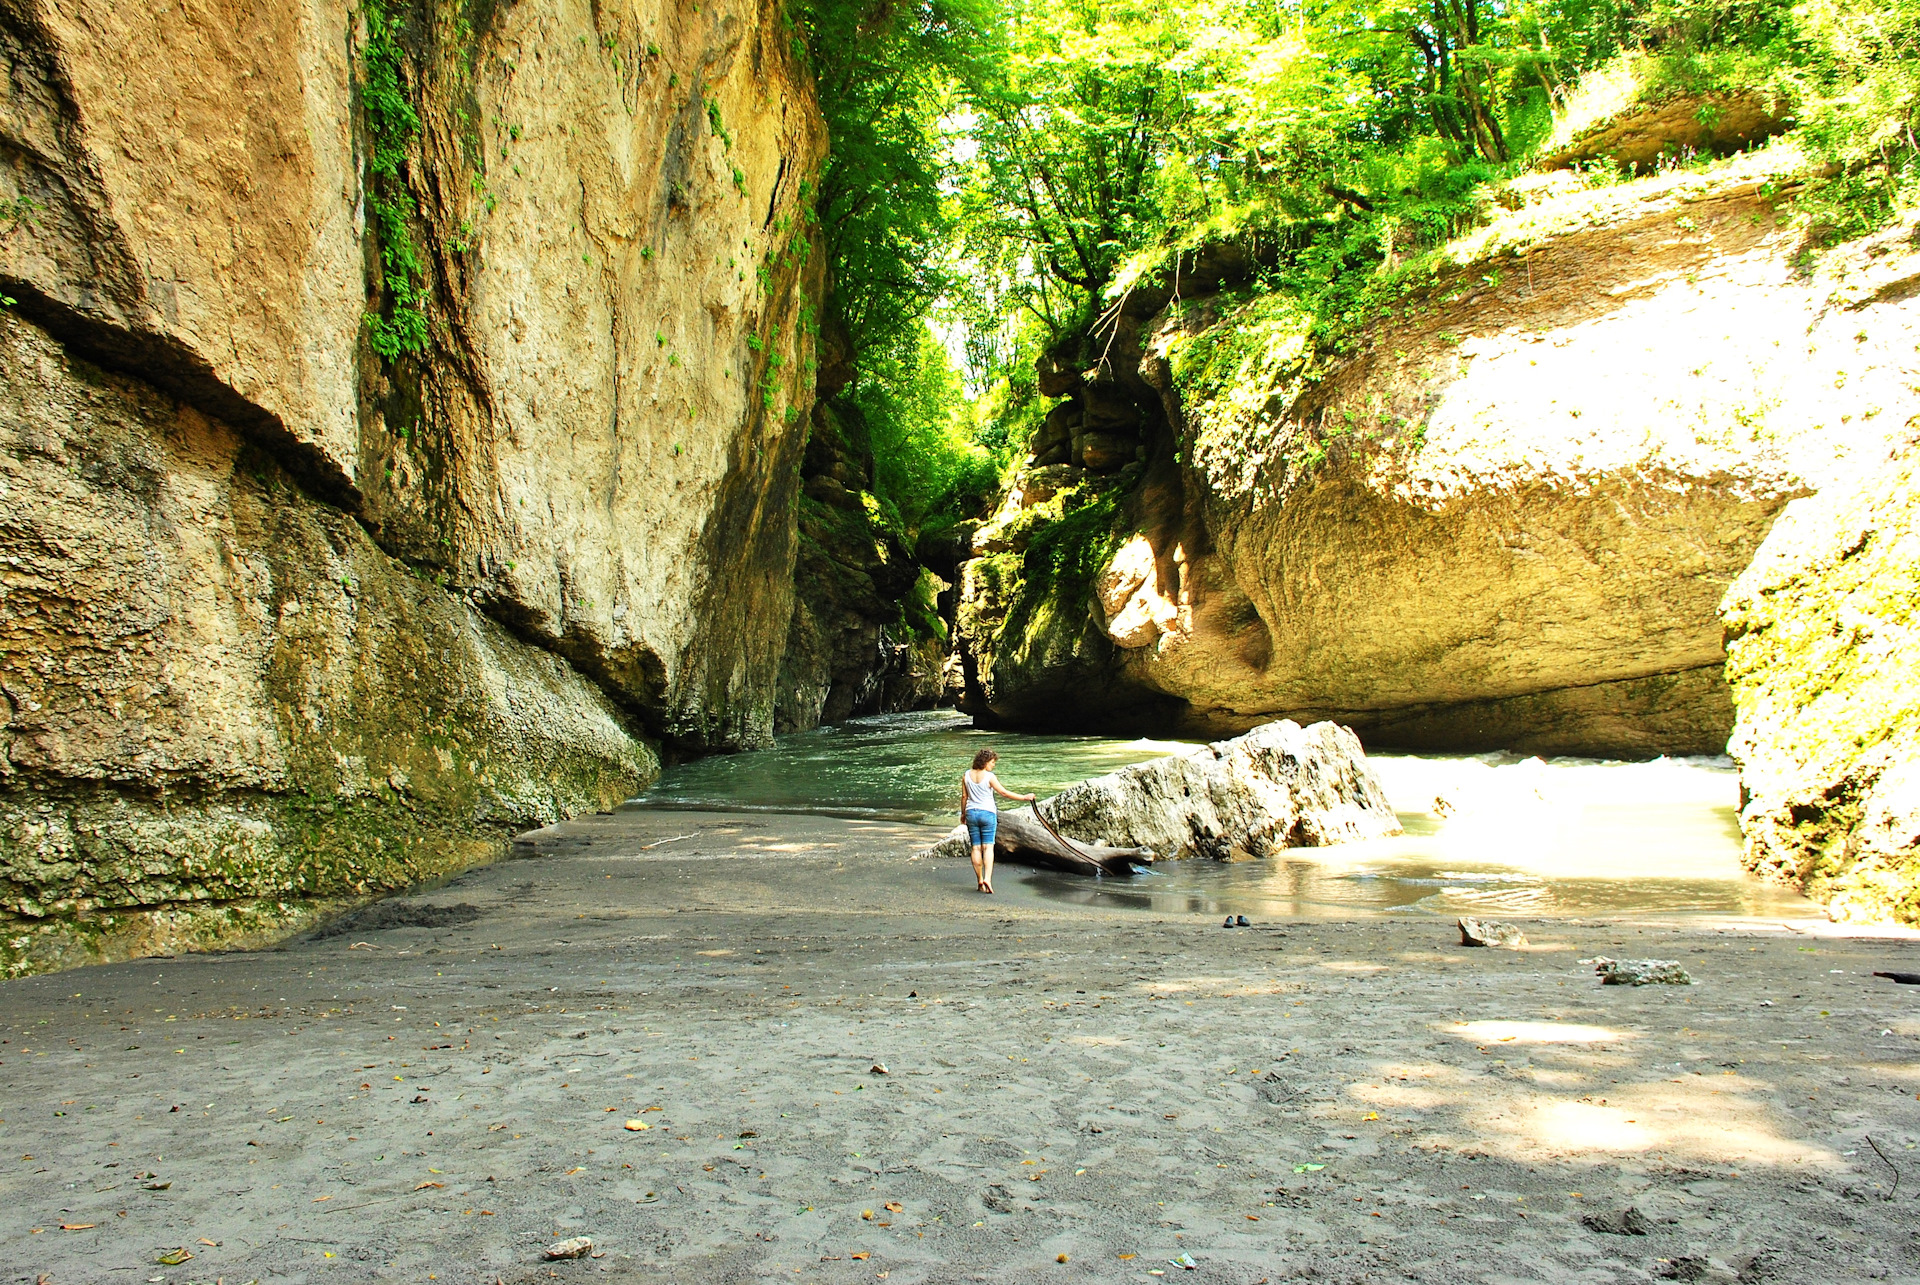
986 867
979 873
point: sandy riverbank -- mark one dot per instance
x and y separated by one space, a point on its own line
1334 1101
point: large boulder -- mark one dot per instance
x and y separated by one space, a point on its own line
1277 787
1630 113
1822 634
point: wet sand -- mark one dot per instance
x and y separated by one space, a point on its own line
1334 1101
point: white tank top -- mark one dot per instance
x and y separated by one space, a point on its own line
979 793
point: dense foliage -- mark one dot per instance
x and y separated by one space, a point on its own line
392 124
1017 166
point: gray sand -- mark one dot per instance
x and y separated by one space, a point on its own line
437 1095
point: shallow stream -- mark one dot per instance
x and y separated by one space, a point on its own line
1493 834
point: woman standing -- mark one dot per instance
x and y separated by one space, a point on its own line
981 814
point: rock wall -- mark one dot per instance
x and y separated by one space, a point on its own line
1822 634
849 650
286 621
1504 520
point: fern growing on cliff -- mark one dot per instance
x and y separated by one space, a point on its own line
392 123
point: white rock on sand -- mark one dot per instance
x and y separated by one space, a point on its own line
1279 786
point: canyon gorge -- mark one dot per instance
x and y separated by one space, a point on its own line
409 442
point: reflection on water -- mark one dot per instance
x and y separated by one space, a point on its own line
1488 834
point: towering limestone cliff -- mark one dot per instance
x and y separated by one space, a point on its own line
401 421
1504 520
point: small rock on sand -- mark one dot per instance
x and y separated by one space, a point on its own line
1489 932
576 1247
1641 972
1628 1222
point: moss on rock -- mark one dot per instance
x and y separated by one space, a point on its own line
228 709
1822 631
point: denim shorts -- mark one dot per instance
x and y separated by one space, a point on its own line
981 827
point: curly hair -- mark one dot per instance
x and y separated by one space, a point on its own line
984 759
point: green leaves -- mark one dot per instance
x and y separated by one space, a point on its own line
887 74
392 123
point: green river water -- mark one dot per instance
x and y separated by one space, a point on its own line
1488 834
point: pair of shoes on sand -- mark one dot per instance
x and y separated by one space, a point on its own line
1235 921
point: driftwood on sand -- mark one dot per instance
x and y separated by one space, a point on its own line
1025 840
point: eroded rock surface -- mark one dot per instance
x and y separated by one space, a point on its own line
1505 521
1823 631
287 620
849 651
228 709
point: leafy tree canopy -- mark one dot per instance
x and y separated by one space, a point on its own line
1013 166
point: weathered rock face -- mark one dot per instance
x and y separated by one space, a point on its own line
601 439
849 651
228 709
1646 133
285 621
1504 522
1822 635
1277 787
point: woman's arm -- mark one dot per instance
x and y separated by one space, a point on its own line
1004 793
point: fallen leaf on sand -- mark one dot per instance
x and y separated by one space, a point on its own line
577 1169
174 1257
1060 1258
1307 1168
318 1199
1371 1115
638 1125
867 1214
214 1243
893 1207
423 1186
861 1255
77 1226
1125 1257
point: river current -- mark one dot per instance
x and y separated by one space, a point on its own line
1491 834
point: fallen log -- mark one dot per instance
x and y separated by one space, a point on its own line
1023 839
